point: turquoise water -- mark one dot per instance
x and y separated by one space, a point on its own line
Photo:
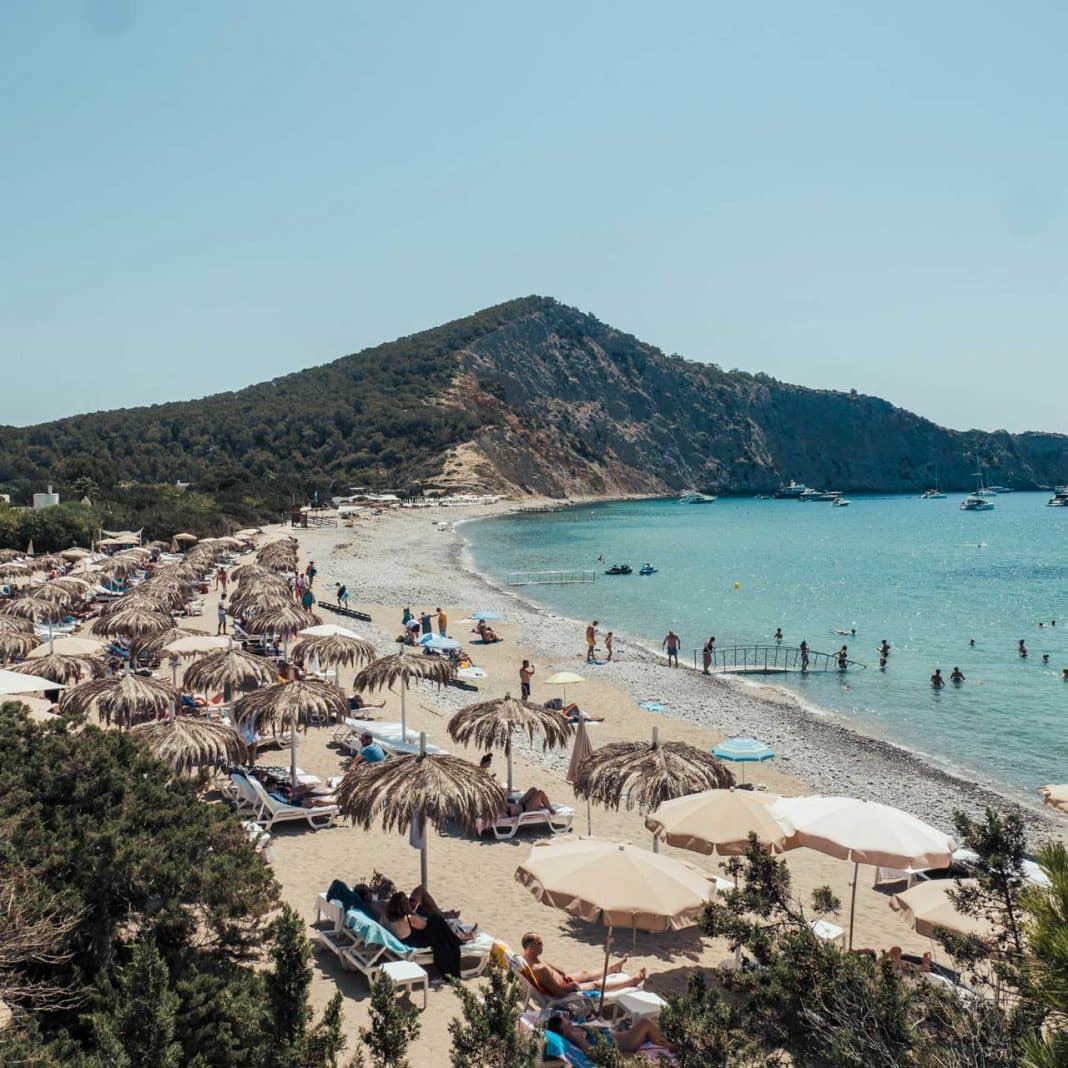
922 574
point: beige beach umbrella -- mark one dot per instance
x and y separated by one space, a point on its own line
198 644
292 704
75 552
15 682
616 885
68 645
185 537
133 620
333 650
127 699
582 749
62 669
1055 796
864 832
155 643
231 667
492 724
15 644
389 671
717 821
416 790
648 773
927 907
187 743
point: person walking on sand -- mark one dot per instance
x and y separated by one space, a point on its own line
311 571
443 623
526 673
220 579
591 641
221 616
307 599
671 643
608 644
706 655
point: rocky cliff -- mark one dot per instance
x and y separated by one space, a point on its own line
580 408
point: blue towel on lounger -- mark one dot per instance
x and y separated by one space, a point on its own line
373 933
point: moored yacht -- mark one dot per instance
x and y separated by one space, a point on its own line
792 491
693 497
978 501
1059 498
932 495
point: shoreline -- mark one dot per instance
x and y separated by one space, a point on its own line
817 747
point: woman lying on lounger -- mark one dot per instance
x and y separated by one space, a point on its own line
574 713
626 1040
534 800
426 932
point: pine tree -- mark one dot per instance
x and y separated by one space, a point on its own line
139 1033
1047 938
394 1026
287 987
485 1036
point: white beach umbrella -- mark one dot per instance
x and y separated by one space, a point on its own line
864 832
14 682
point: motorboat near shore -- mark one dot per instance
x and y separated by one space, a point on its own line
620 569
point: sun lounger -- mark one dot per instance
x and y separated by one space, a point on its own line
385 733
541 1000
364 945
273 811
558 820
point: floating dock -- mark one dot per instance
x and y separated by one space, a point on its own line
550 578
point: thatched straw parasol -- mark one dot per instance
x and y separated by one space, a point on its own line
132 620
491 724
186 743
419 788
68 645
16 643
648 773
36 610
334 649
73 583
119 566
228 667
6 555
75 552
282 620
57 595
15 569
125 698
62 669
289 704
389 670
156 642
10 624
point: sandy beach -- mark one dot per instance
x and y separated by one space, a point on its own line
404 558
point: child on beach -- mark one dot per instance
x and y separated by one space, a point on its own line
608 644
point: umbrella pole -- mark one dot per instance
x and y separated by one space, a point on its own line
853 903
293 754
422 822
404 713
51 643
604 977
508 753
589 818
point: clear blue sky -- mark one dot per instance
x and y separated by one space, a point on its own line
195 196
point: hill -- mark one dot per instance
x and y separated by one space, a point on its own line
527 396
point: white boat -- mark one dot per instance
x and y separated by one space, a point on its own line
828 495
932 495
840 502
979 501
792 491
811 495
1001 489
693 497
1059 498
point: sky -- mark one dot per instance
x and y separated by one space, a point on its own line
198 196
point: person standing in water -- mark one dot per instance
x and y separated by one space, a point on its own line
884 648
671 643
804 655
957 676
936 679
778 634
1021 648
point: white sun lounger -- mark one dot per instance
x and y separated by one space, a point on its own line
558 821
362 945
272 811
541 1000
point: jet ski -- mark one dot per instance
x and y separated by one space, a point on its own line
619 569
647 569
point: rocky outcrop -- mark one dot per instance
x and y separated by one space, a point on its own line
574 407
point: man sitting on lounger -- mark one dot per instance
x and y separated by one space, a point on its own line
556 983
370 751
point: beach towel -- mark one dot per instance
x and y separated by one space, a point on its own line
597 663
652 706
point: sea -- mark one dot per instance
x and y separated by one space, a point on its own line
922 574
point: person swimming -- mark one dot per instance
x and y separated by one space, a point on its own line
971 641
957 676
1045 658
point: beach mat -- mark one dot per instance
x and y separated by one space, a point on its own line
652 706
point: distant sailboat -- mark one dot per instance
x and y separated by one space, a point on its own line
935 494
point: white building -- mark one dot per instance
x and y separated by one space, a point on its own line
45 500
